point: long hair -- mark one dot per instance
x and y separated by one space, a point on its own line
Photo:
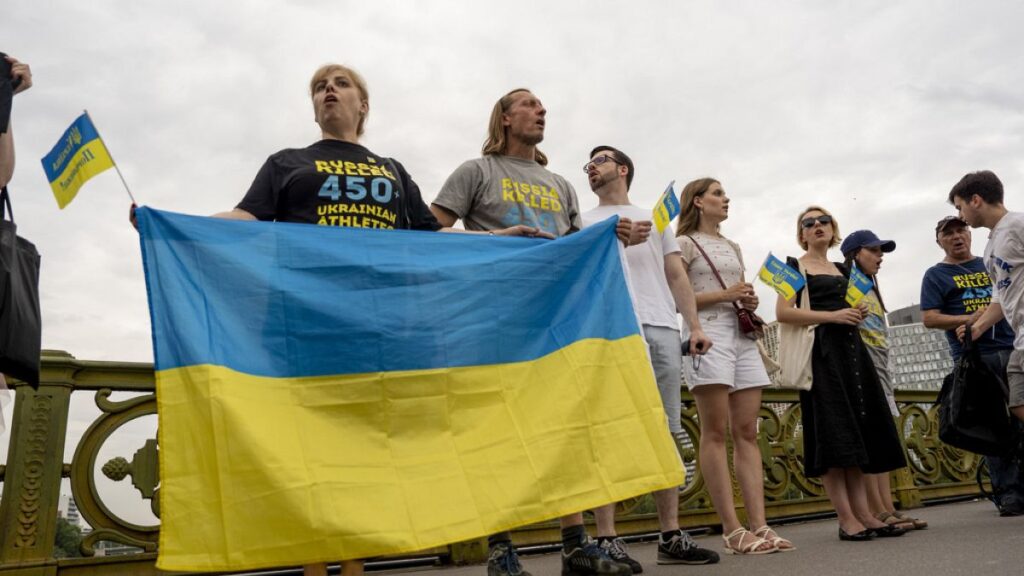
360 83
800 228
850 261
497 138
690 218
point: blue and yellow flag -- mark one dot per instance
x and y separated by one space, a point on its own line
331 393
666 209
78 156
780 276
858 286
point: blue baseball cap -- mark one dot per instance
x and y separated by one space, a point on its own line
865 239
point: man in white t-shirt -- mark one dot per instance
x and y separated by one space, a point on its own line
660 286
978 197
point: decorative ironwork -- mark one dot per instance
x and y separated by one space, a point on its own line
143 469
935 468
35 463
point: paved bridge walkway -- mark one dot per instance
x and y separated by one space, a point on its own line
963 539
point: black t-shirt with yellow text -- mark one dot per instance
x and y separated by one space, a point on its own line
336 183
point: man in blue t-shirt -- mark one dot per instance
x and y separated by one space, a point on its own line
954 292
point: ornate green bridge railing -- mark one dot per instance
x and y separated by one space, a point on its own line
34 471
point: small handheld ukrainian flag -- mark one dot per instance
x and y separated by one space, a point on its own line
858 286
667 208
78 156
780 276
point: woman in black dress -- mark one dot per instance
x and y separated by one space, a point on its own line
847 428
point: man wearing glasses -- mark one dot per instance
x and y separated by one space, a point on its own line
511 186
660 287
955 292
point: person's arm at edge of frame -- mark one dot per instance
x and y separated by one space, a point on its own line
686 302
6 156
19 71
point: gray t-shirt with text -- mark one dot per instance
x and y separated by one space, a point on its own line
495 192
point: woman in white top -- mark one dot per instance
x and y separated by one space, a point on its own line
728 380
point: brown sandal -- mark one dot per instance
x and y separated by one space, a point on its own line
891 519
918 523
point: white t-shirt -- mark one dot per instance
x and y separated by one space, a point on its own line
654 303
1004 259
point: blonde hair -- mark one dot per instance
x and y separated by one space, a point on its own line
497 138
800 228
690 218
326 70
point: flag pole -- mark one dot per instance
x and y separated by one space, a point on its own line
116 167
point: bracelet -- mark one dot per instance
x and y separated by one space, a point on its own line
490 233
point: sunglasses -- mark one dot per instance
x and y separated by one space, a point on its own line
824 220
598 161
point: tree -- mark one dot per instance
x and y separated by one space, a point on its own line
67 540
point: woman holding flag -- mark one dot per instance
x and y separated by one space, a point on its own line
848 429
727 381
864 251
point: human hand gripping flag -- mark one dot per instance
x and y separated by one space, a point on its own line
781 277
858 286
666 209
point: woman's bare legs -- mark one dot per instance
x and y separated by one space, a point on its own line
835 482
746 456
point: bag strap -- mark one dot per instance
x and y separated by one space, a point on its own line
5 205
804 295
713 269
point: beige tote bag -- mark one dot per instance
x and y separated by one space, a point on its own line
795 344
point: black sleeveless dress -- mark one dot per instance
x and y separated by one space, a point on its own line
846 419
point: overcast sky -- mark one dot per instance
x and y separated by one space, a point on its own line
871 109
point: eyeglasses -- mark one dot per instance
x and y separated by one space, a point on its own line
824 220
598 161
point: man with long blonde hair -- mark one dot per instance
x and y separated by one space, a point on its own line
511 186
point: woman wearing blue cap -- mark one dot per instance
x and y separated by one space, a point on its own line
848 431
865 250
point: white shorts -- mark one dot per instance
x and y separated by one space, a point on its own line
733 359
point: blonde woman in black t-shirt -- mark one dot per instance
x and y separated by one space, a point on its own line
338 182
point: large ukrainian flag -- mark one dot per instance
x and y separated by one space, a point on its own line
335 393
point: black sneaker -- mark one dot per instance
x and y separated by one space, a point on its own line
503 561
591 560
681 549
616 550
